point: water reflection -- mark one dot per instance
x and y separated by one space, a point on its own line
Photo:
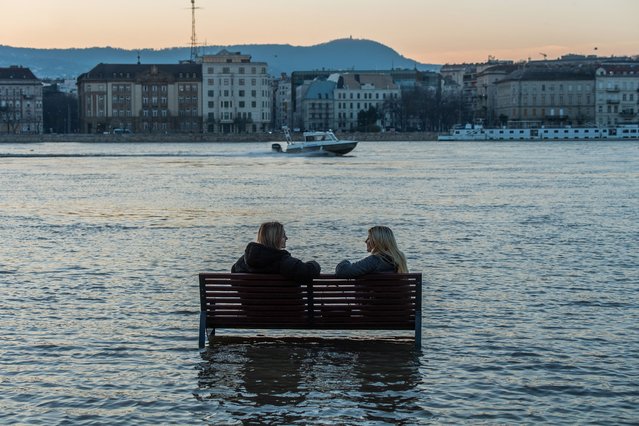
305 380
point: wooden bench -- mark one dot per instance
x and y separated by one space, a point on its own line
260 301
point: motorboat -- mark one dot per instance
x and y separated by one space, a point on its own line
314 142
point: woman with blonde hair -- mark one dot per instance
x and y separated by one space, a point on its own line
267 256
384 256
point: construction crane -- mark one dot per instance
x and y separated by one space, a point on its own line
193 37
544 55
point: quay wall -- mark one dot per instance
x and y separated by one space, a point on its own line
205 137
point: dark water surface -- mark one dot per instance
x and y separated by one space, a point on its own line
530 255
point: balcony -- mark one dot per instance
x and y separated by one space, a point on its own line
627 113
612 101
612 89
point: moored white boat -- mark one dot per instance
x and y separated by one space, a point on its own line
477 132
314 142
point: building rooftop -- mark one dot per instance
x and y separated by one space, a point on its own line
551 73
15 72
186 71
355 81
320 89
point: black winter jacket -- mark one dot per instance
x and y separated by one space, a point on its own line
259 259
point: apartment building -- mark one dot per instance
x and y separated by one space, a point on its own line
563 95
617 94
355 92
160 98
283 107
318 105
20 101
486 77
237 93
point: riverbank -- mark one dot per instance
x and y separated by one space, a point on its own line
206 137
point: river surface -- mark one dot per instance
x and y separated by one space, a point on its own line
530 256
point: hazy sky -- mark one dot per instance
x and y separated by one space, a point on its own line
430 31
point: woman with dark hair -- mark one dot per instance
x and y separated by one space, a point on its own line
267 256
384 256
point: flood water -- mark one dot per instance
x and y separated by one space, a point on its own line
529 251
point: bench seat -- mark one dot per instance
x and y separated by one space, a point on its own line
261 301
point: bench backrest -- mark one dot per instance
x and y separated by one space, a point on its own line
374 302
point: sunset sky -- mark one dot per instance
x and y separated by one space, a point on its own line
429 31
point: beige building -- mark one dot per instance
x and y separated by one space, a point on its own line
237 93
20 101
141 98
546 96
487 76
617 94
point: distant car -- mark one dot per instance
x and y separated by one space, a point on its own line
121 131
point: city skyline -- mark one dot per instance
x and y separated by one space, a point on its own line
425 31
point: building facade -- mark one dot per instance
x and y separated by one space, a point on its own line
282 106
141 98
357 92
20 101
318 105
617 94
484 104
546 96
237 93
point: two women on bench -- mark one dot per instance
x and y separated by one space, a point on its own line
267 256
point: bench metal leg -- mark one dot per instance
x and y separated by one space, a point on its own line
202 337
418 332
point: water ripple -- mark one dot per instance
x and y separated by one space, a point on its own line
529 254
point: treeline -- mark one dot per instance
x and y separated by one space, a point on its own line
418 110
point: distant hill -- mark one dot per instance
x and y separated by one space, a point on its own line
343 54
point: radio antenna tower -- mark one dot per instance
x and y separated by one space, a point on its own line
193 38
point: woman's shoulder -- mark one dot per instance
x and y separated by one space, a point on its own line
386 263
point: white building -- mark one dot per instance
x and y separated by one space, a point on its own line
357 92
617 94
237 93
